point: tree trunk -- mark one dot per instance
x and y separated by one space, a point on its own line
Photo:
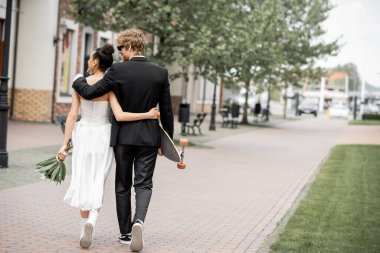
213 107
221 92
245 112
286 100
185 80
268 105
204 93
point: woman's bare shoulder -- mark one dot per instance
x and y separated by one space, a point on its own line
91 80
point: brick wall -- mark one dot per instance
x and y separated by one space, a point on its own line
32 105
207 108
64 6
61 109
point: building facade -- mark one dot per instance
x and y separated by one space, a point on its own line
337 81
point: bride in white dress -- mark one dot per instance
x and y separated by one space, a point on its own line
92 155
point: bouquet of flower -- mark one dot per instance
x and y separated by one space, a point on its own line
52 169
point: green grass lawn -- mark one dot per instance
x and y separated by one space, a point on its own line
341 212
364 122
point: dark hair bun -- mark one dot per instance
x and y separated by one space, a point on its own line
107 49
104 55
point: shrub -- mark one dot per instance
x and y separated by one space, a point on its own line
370 116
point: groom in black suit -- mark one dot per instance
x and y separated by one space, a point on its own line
139 85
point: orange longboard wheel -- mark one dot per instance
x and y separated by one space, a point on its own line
183 142
181 165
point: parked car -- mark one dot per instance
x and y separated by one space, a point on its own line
371 108
339 109
308 106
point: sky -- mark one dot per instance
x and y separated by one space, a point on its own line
357 23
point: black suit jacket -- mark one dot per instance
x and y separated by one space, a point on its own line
139 85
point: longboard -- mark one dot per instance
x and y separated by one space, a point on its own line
170 151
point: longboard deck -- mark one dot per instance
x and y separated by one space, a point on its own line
168 148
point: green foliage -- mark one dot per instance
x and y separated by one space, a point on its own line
368 116
276 94
302 41
365 122
163 19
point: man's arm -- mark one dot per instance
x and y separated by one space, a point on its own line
166 111
100 88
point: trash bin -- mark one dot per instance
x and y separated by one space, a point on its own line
235 113
184 116
184 113
235 110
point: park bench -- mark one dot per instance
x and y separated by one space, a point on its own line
225 117
234 120
197 122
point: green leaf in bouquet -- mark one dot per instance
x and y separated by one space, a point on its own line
64 172
55 173
50 172
46 174
47 167
61 174
46 162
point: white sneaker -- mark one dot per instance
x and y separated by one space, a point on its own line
137 242
86 240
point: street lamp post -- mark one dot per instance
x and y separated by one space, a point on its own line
213 109
4 106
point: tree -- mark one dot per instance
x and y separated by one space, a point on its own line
164 20
257 44
211 49
303 45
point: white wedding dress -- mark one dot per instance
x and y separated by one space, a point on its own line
92 156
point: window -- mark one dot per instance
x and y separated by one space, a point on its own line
103 41
66 63
68 59
104 37
88 48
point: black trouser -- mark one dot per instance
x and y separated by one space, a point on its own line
144 161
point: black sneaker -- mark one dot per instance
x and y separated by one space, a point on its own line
125 239
137 242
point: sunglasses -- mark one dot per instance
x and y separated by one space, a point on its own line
120 47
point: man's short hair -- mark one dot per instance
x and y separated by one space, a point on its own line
133 38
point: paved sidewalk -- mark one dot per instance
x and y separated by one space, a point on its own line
23 135
229 199
30 143
360 134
